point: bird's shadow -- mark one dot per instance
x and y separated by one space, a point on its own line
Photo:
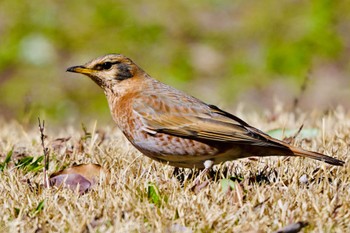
264 176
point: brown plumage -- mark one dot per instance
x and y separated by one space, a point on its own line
172 127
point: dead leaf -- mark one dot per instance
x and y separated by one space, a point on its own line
293 228
84 176
199 186
283 134
72 181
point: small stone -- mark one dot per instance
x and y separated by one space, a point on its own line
303 179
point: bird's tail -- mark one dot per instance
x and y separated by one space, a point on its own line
315 155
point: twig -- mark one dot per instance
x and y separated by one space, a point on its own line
298 132
291 139
46 152
303 88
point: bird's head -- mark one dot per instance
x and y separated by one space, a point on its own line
109 70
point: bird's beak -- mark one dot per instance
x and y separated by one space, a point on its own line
80 69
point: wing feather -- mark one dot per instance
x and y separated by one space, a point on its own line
199 121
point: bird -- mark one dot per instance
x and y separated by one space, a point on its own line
175 128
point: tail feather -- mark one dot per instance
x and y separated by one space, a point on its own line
296 151
316 155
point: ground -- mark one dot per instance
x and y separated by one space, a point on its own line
248 195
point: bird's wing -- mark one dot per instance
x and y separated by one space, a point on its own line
196 121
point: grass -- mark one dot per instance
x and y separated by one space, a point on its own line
251 195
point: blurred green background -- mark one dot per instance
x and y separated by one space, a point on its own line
224 52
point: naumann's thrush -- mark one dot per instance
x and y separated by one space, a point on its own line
172 127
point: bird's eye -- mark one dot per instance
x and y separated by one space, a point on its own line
106 65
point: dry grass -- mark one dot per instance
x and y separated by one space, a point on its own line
262 203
